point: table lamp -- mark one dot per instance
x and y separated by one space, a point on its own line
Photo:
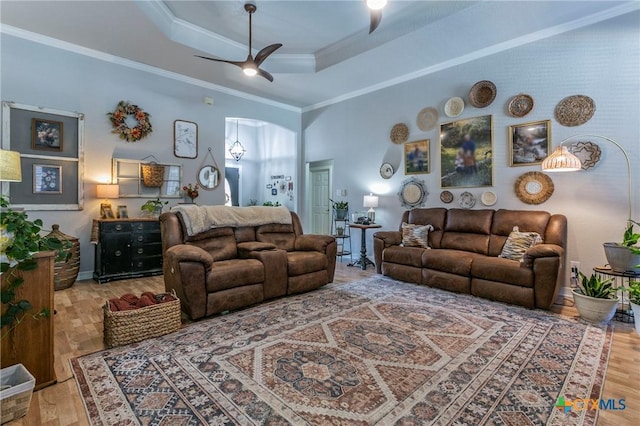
370 201
10 169
106 191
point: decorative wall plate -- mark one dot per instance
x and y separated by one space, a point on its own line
454 107
520 105
466 200
488 198
575 110
588 153
534 187
446 197
413 193
427 118
399 133
482 94
386 170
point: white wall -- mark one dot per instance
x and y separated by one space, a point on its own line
42 75
601 61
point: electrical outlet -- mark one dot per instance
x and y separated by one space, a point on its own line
575 268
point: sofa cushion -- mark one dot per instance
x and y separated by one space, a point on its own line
411 256
518 243
505 220
435 217
232 273
303 262
220 247
282 236
467 230
415 235
453 261
502 270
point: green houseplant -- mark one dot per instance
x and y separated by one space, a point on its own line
341 208
634 298
153 207
625 256
595 298
20 239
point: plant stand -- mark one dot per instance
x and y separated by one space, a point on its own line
621 279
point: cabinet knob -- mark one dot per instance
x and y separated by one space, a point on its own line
118 227
140 238
140 264
118 253
140 226
140 250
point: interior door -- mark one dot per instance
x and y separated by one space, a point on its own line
320 212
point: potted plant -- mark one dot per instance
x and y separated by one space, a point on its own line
339 231
634 298
341 208
625 256
595 298
153 207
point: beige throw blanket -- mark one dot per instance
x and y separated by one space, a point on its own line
200 218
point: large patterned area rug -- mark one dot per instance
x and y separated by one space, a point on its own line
372 352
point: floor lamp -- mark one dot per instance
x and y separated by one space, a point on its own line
562 160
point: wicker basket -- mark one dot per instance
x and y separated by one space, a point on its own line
66 273
152 175
124 327
15 401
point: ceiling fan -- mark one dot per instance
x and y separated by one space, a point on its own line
251 66
375 7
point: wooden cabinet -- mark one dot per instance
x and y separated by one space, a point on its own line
31 342
127 248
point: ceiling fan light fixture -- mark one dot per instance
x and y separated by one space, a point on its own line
249 70
376 4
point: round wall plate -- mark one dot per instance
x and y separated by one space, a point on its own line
386 170
413 193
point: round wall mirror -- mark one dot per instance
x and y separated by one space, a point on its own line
208 177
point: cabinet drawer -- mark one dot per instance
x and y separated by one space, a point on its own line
115 227
146 226
147 263
146 238
152 249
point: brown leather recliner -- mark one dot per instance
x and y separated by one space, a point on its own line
228 268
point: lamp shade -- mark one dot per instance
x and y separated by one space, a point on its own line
10 170
107 191
561 160
370 201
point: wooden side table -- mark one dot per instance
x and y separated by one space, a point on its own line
363 261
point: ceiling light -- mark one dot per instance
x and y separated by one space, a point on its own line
237 150
376 4
249 70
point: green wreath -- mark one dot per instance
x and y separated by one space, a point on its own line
118 121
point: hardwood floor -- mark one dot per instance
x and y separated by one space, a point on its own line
78 331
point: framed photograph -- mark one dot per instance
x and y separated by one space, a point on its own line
106 212
122 212
416 157
274 191
529 143
185 139
466 148
47 179
46 134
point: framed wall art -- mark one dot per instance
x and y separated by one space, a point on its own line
416 157
122 212
466 148
46 134
47 179
529 143
185 139
50 143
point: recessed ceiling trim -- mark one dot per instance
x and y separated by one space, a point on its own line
102 56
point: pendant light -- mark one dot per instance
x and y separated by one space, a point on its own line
237 150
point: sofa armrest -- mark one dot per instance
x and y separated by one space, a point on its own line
313 242
539 251
185 269
382 240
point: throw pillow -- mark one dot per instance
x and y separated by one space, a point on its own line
519 242
415 235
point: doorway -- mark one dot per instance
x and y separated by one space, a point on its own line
319 183
231 186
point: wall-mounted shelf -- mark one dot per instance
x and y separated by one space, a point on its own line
128 174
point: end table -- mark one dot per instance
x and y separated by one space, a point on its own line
363 261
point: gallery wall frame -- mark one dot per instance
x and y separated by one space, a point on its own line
185 139
51 145
529 143
416 157
466 152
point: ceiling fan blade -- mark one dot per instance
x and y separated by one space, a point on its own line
264 53
265 74
376 17
236 63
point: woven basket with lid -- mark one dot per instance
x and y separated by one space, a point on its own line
66 273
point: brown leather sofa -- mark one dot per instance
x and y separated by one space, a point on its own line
464 254
226 268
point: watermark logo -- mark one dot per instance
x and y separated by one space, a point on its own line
584 404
